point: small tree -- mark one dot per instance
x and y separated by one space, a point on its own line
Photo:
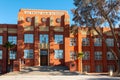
8 45
80 55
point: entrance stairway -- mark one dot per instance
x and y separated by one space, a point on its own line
44 70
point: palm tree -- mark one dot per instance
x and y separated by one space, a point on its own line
8 45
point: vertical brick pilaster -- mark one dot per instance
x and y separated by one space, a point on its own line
79 44
51 43
66 46
5 53
36 46
92 56
20 42
104 55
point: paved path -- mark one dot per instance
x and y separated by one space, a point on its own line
52 73
48 77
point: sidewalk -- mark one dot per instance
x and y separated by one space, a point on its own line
49 77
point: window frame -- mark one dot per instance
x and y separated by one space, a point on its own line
86 55
58 38
1 40
98 55
111 57
14 54
111 67
99 68
110 42
14 39
28 37
73 42
97 42
86 68
45 36
1 54
59 54
28 55
73 55
85 41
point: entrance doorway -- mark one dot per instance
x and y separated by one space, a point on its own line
44 57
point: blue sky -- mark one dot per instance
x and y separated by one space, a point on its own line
9 8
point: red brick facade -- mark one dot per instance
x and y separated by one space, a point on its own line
52 22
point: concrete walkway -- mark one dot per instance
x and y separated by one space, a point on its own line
49 77
53 73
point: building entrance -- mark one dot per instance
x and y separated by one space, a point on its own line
43 57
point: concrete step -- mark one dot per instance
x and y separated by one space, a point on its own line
45 68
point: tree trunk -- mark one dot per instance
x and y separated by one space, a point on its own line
8 60
117 73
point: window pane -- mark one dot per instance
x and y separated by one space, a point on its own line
28 38
58 54
111 67
85 41
97 42
12 39
1 40
98 55
12 55
99 68
0 54
86 55
43 38
59 39
73 55
72 41
110 56
28 53
110 42
86 68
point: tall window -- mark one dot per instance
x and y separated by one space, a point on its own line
28 53
28 38
0 54
86 68
98 55
43 38
110 42
86 55
12 39
110 56
73 55
1 40
72 41
85 41
59 39
97 42
12 54
58 54
98 68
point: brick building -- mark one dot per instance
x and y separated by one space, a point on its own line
43 38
